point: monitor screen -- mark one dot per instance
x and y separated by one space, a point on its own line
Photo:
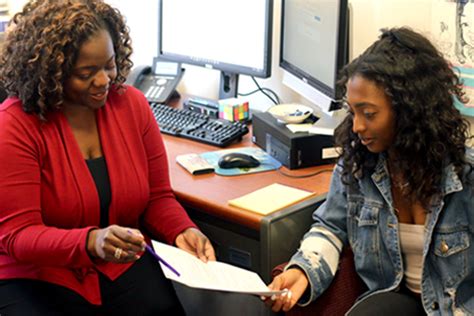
233 36
314 47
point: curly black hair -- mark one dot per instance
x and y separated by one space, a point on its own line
430 131
42 46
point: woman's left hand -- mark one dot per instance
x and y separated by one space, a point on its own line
196 243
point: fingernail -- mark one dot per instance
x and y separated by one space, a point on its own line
273 298
289 294
262 298
139 234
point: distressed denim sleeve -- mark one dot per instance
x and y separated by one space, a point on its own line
318 254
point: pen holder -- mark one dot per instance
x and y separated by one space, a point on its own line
234 109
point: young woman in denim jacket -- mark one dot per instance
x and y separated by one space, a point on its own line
401 194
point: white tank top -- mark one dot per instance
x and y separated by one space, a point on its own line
412 241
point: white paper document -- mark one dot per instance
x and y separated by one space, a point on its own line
324 126
212 275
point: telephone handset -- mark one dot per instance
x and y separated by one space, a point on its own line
157 83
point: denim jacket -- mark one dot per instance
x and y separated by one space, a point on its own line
363 216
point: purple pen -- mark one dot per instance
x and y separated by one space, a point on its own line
154 254
157 257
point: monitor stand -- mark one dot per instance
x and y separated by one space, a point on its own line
175 95
228 85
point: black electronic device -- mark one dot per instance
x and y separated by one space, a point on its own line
201 105
157 82
197 126
293 150
217 38
237 160
314 46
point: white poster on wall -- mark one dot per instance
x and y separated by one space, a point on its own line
453 32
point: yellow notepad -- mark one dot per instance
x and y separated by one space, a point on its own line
271 198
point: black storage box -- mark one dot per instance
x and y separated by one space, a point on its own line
293 150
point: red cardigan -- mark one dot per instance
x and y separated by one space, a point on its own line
49 201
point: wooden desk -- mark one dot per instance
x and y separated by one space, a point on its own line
241 237
210 192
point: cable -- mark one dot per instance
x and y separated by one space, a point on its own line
277 101
258 90
304 175
270 90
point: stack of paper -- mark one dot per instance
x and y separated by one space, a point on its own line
271 198
212 275
327 123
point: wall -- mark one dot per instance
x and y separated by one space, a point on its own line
367 17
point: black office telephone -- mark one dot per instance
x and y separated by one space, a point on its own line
158 82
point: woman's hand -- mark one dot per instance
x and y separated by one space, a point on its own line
196 243
295 281
116 244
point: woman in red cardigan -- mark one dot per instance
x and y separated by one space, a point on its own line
84 179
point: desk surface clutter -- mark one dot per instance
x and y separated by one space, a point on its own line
207 162
211 193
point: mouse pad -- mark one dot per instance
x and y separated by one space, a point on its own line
267 162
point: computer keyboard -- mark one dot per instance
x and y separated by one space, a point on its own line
197 126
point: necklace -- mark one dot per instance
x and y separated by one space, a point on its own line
397 178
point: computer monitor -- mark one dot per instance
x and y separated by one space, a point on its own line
233 36
313 48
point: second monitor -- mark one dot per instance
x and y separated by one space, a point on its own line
314 46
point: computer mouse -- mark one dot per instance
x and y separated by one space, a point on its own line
237 160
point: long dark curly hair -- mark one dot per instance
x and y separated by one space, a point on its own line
430 131
42 46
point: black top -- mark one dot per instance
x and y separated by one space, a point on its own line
98 170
